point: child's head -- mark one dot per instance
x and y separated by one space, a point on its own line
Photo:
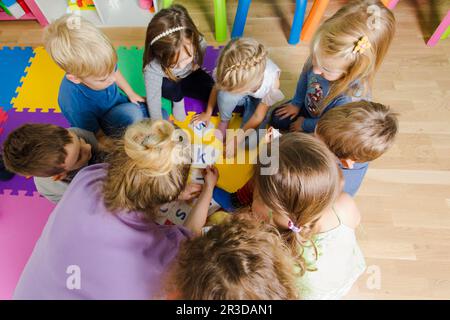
241 66
44 150
358 131
351 45
149 167
173 40
307 182
82 51
241 258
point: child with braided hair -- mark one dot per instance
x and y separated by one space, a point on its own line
346 52
246 77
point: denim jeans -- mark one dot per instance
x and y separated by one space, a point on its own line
116 120
119 117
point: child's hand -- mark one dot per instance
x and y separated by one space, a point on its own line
288 110
211 175
201 117
192 190
135 98
297 125
271 134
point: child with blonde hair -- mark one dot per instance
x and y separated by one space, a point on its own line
357 133
346 52
303 198
173 56
101 241
246 77
89 95
240 259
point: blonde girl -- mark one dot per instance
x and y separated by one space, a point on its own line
173 55
240 259
102 235
246 77
346 52
303 198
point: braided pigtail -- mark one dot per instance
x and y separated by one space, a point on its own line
241 65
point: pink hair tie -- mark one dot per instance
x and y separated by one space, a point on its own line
293 228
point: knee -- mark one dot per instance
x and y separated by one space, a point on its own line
131 115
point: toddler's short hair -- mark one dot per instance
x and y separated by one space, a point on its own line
79 47
36 150
361 131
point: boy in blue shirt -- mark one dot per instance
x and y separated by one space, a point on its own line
89 95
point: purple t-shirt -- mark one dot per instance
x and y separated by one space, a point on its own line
87 252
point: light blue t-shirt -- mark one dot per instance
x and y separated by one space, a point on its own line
83 107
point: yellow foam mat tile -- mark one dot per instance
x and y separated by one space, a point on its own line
40 86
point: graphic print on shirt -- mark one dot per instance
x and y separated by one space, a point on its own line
314 95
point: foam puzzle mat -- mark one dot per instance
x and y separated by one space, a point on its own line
29 85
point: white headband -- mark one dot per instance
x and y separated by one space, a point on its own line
166 33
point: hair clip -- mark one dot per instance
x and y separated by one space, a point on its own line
166 33
293 228
362 45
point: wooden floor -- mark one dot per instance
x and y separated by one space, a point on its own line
405 198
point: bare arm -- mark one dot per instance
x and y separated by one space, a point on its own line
125 86
206 116
197 218
257 118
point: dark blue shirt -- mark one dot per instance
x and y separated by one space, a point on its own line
311 90
83 107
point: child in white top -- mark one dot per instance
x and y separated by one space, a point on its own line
244 77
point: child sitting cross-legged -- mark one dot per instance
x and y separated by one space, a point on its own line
52 154
89 95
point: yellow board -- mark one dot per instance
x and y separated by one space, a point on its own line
40 86
232 176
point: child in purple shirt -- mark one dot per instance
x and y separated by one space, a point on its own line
100 242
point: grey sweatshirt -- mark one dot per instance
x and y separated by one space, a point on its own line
153 76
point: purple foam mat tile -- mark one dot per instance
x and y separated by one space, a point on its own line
210 58
15 120
209 63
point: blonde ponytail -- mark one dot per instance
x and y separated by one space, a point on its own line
241 65
149 168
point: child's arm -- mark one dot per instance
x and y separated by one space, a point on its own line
198 215
123 84
206 116
153 89
255 120
300 92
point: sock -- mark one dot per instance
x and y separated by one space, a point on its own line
178 110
